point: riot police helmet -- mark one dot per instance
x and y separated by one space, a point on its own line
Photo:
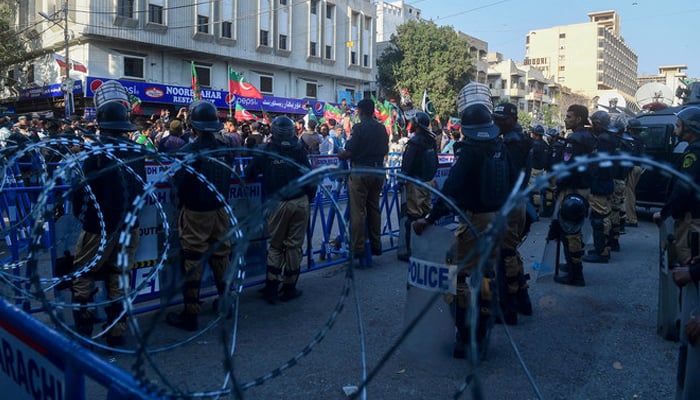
538 130
600 120
203 116
423 120
572 213
114 116
477 123
690 117
283 131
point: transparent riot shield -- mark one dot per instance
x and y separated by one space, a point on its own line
668 311
428 275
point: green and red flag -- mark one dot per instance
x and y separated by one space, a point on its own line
242 114
196 92
239 86
331 111
266 118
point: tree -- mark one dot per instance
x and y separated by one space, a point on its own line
12 45
525 119
422 56
550 115
566 98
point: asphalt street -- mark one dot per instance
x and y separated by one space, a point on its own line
595 342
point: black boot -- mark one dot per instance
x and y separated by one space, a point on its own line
573 278
182 320
289 292
270 291
509 313
461 334
523 305
83 321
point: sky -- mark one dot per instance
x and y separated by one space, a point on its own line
660 32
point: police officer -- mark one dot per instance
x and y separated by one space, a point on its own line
203 221
514 295
540 158
682 204
602 188
634 145
617 200
486 194
367 147
580 142
419 161
288 217
109 183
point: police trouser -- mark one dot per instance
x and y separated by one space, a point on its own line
202 233
573 243
536 195
466 241
600 222
617 208
287 228
511 264
630 194
682 228
107 270
364 191
418 202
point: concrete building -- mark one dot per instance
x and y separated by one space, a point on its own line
522 85
479 50
671 76
294 52
391 14
586 57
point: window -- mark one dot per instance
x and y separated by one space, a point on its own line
227 29
155 11
353 57
264 38
329 11
203 75
365 60
125 8
312 49
133 67
283 2
562 68
283 42
203 13
265 23
329 52
266 84
313 7
311 89
202 24
562 36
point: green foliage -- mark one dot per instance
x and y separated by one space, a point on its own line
550 115
525 119
423 56
12 46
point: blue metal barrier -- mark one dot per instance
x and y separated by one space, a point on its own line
41 363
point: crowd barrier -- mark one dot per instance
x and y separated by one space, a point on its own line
326 244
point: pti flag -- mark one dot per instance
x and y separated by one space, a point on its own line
243 115
60 60
77 66
238 85
427 105
196 93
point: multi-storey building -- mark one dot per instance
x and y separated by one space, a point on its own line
294 52
587 57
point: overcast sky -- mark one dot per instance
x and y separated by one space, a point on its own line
660 32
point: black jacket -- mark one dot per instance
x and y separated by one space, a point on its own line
420 158
279 172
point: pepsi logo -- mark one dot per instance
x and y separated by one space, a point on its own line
318 107
94 85
154 92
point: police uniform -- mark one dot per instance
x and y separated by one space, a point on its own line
287 220
634 146
419 161
368 145
114 188
579 143
203 221
540 158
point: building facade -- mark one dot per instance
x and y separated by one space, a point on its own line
587 57
292 51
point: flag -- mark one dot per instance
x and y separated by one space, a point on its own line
427 105
135 103
238 85
242 114
60 60
310 115
331 112
196 93
77 66
266 118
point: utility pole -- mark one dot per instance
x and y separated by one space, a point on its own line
68 94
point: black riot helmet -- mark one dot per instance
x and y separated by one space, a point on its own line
283 131
114 116
203 116
477 123
600 120
423 120
572 212
690 117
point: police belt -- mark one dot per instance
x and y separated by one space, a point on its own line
368 164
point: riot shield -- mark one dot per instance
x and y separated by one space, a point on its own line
550 256
667 314
432 338
403 252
